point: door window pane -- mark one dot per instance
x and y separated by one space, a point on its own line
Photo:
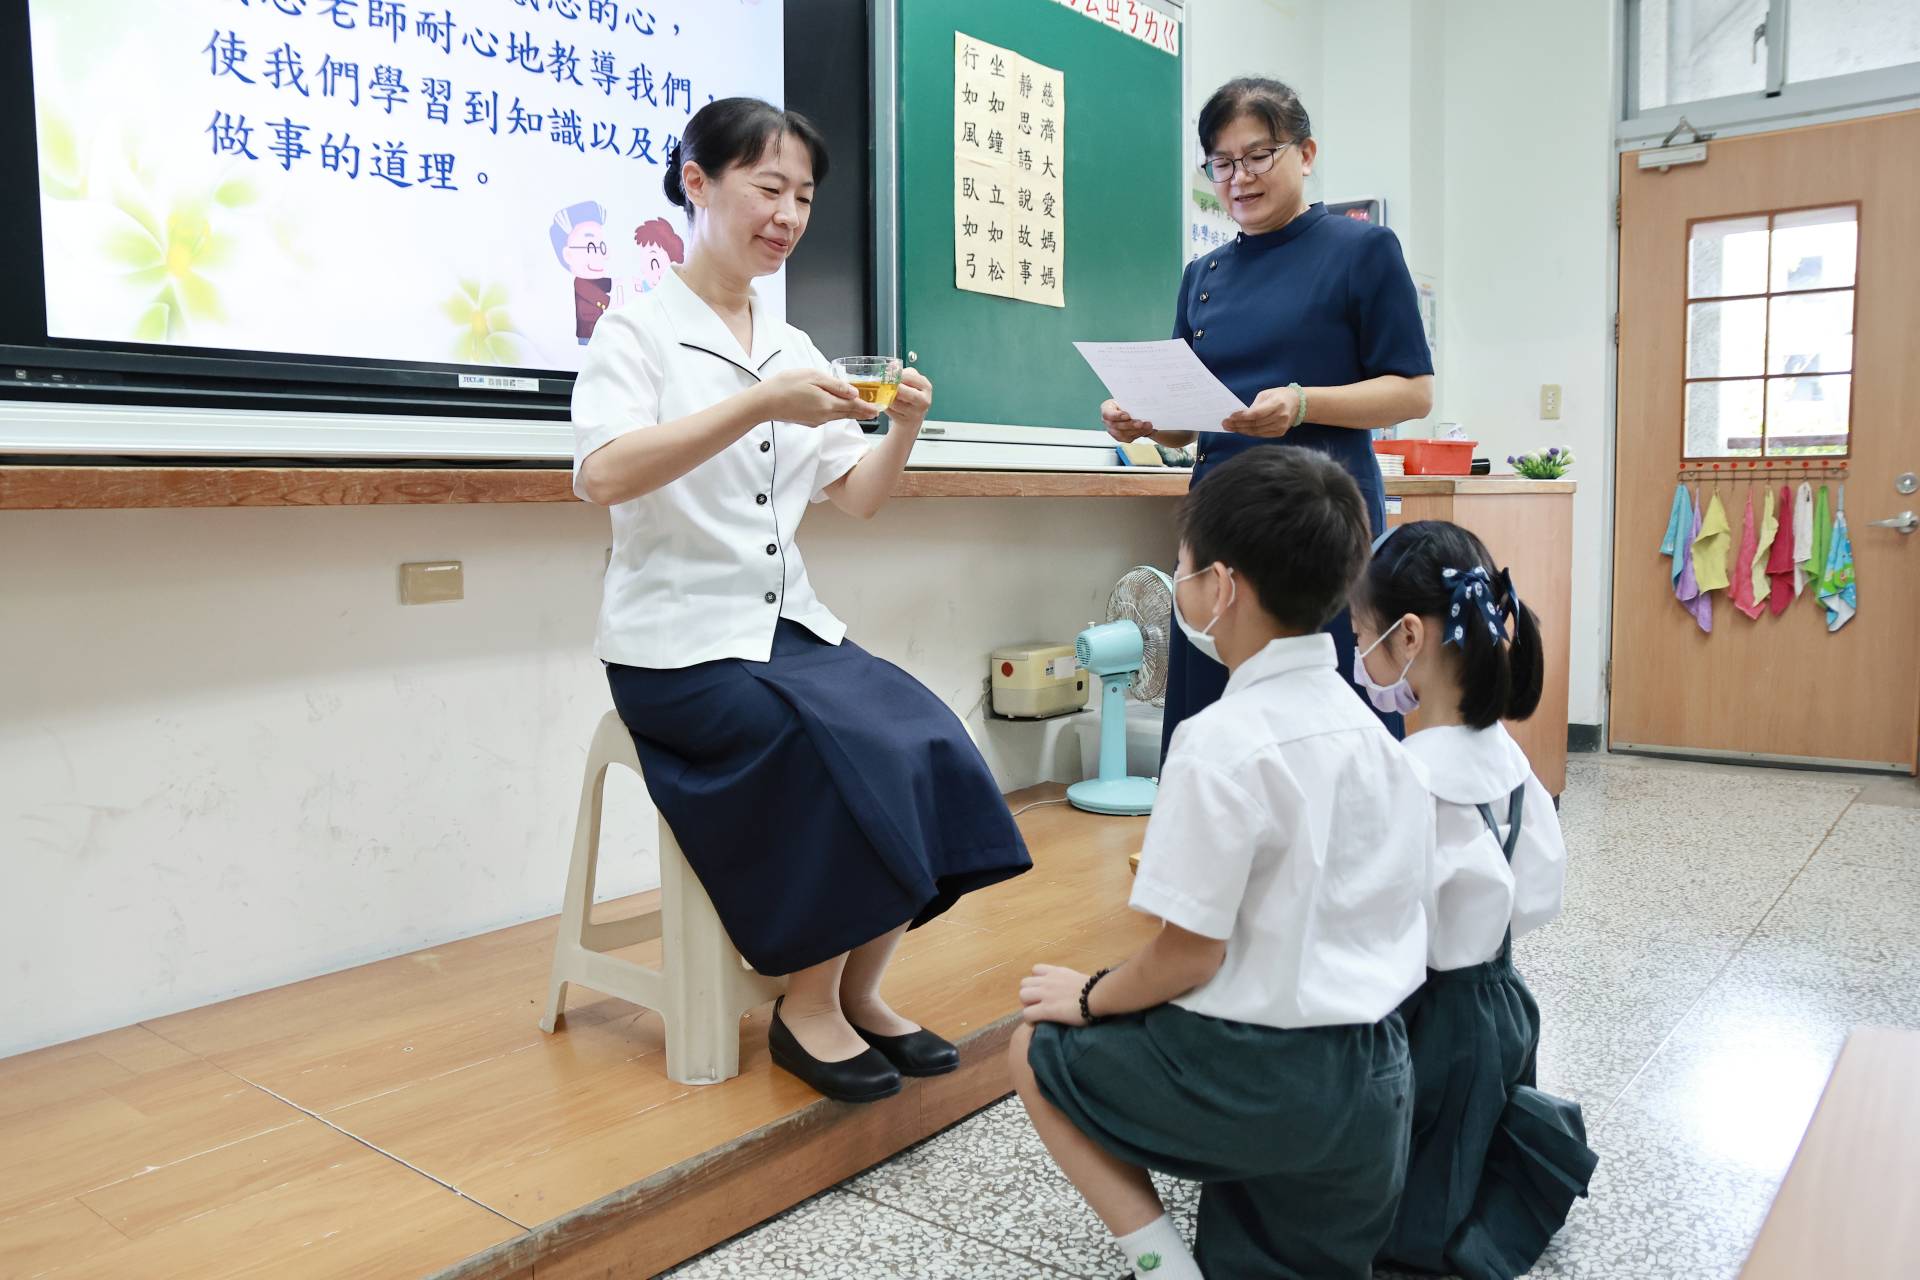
1695 49
1727 339
1836 37
1724 419
1770 373
1815 249
1727 257
1808 415
1810 333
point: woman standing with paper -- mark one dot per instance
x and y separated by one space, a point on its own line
1312 320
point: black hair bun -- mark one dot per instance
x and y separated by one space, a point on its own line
676 190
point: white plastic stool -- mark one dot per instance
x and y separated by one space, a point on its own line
702 987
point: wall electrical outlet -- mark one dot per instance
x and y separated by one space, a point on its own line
1549 401
432 582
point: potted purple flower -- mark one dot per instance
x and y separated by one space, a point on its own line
1542 464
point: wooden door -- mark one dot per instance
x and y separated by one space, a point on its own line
1806 243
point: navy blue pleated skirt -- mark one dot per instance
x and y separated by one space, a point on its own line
824 797
1495 1164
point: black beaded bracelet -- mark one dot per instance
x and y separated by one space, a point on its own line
1086 1014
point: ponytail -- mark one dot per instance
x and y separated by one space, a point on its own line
1526 659
1440 571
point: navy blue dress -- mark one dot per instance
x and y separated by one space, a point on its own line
1324 302
823 797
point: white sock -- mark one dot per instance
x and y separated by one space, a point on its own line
1156 1252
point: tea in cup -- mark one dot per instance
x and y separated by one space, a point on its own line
876 378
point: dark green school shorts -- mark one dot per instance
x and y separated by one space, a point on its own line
1299 1138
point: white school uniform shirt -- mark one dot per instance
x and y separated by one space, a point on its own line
705 567
1474 894
1292 825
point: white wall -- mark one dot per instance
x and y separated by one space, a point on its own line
1381 125
1365 117
1526 297
229 758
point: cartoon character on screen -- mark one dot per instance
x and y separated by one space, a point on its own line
659 245
580 242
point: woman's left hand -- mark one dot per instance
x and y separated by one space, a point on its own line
1052 994
911 402
1271 414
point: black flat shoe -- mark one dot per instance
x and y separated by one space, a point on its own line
866 1077
918 1053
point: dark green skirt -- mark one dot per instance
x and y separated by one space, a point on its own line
1299 1138
1495 1164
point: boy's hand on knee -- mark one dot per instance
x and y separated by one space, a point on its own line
1052 994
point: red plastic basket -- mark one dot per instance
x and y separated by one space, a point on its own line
1432 457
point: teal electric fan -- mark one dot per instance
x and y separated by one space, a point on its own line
1128 655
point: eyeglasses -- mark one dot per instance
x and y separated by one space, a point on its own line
1220 168
591 246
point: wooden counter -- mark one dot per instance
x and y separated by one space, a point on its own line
86 487
79 488
1470 486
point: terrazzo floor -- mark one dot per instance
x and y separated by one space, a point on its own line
1724 928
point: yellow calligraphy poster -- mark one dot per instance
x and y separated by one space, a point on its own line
1009 188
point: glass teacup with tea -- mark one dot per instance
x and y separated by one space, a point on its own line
876 378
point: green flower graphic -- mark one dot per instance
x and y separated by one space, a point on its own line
485 331
63 160
172 256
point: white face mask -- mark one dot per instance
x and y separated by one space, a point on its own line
1397 698
1203 639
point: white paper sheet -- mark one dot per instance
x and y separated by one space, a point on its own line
1163 383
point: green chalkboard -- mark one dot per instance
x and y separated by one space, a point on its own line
995 360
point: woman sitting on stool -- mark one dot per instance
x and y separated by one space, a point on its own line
827 801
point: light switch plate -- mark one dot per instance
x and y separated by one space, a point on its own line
1549 401
432 582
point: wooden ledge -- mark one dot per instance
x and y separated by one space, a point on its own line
82 487
92 488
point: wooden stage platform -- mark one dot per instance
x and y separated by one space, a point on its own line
408 1118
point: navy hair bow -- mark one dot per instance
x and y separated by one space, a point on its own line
1476 592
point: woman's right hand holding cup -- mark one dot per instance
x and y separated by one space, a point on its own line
811 398
1121 425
